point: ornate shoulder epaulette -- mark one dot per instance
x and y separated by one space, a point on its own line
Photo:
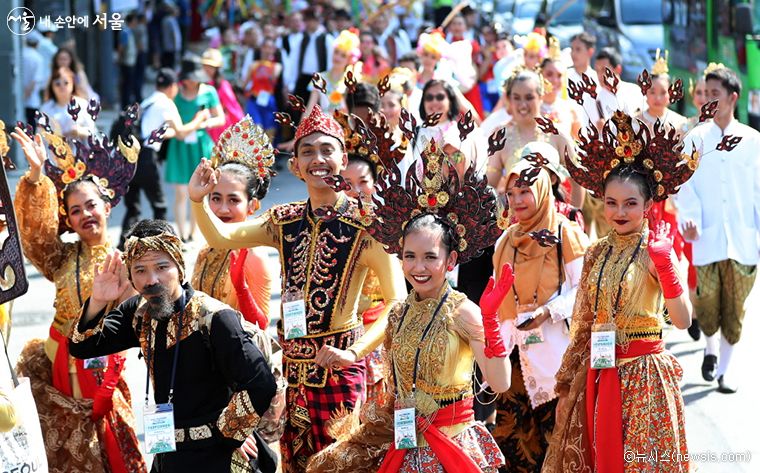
286 213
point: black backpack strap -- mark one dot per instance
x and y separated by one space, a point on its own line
322 52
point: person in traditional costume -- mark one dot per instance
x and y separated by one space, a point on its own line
719 210
616 379
554 105
361 173
199 359
85 412
434 337
345 55
524 91
241 279
326 254
535 316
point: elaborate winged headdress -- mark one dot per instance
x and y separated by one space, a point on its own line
110 164
627 141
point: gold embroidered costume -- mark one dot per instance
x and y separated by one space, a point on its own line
62 416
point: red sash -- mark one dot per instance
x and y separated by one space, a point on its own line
606 401
451 455
88 385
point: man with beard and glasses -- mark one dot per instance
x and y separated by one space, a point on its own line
213 385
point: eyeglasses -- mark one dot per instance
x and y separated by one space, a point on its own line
60 83
437 97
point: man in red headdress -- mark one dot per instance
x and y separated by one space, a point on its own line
326 254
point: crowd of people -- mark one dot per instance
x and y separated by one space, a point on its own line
551 221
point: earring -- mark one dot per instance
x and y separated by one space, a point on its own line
450 268
646 214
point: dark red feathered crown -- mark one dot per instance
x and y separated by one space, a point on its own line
110 164
467 206
625 141
373 141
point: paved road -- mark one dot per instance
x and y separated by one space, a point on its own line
716 424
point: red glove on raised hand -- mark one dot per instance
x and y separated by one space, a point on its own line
102 402
489 305
660 246
248 306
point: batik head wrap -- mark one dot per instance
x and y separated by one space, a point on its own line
137 247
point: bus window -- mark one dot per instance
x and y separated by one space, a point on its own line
641 12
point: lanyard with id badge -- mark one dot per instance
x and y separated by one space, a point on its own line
405 410
603 334
293 301
158 419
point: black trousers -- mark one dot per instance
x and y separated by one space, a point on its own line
148 179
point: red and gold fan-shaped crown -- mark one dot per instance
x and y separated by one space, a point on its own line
467 206
627 141
110 164
245 143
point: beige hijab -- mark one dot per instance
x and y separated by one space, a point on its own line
537 268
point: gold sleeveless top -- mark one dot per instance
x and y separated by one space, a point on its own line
622 290
442 339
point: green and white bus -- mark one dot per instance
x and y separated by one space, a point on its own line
698 32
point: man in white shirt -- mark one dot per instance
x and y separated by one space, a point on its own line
308 52
581 51
47 48
719 211
628 97
155 111
34 74
597 111
392 41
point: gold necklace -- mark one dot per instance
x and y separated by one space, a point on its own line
517 144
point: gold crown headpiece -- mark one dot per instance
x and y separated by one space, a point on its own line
712 67
555 50
245 143
660 66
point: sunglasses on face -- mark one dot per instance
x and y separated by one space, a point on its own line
437 97
60 83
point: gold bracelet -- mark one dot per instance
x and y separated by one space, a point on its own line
490 168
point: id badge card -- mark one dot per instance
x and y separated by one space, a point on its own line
262 100
158 420
603 346
97 363
529 337
404 428
293 314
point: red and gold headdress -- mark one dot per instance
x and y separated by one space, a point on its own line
627 141
317 121
110 164
245 143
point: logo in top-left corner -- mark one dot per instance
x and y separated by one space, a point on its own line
23 18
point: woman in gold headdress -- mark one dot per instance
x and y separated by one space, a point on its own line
85 413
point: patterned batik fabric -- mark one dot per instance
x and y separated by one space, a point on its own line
72 438
311 409
523 433
375 379
474 440
721 295
653 414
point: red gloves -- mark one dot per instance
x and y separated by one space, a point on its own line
489 306
247 305
102 402
660 246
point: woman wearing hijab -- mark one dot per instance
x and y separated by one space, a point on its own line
534 319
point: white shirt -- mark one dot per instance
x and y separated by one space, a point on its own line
162 109
291 67
33 72
628 99
589 109
723 196
47 50
60 114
